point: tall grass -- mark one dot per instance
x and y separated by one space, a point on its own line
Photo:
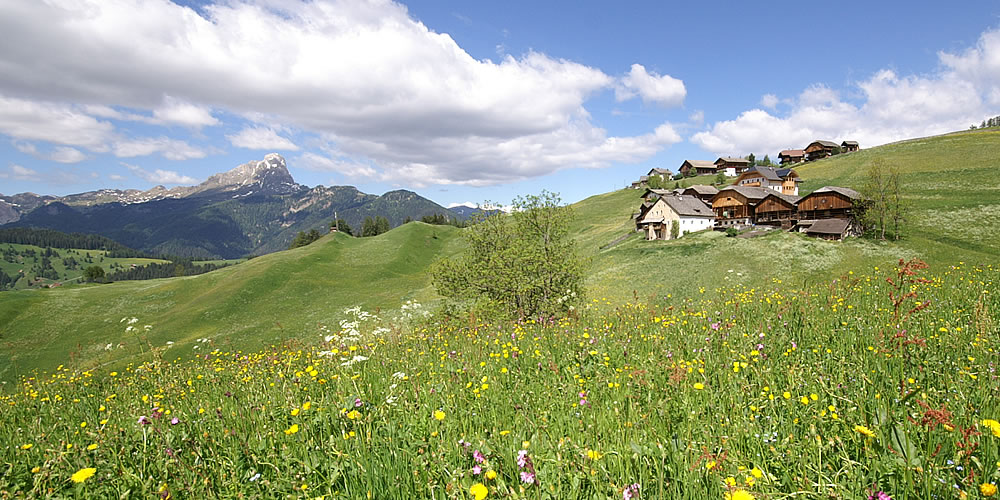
883 380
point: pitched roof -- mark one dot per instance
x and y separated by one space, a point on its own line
659 171
849 143
792 152
700 163
748 192
790 199
659 192
771 173
828 226
686 205
828 144
728 159
848 192
703 189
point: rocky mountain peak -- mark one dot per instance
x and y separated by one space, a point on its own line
269 175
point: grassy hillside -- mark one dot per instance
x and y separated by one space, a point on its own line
265 300
16 258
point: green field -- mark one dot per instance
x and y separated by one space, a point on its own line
85 258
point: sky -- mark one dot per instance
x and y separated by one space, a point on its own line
470 101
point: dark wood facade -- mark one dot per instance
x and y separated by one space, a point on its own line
790 156
849 146
826 205
774 210
820 149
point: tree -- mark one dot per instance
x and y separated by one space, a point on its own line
720 178
752 159
342 226
381 225
766 162
302 239
675 229
655 182
883 206
374 227
520 265
93 274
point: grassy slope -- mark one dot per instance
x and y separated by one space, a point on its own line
11 268
264 300
950 181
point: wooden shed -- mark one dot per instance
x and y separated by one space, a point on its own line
848 146
830 229
700 167
829 202
820 149
776 209
732 166
791 156
734 205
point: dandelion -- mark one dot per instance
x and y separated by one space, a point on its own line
83 474
699 386
91 447
594 454
864 430
292 430
26 446
988 489
756 472
993 425
491 474
739 494
479 491
438 415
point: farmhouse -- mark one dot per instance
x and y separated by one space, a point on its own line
782 180
641 183
820 149
848 146
734 205
829 202
657 217
662 172
789 156
702 192
700 167
732 166
776 209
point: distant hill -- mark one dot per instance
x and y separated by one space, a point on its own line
465 212
255 208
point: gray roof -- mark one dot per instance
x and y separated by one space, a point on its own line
848 192
828 226
849 143
659 192
793 200
749 192
728 159
700 163
703 189
829 144
659 171
690 206
771 173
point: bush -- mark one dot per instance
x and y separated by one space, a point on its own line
732 231
518 265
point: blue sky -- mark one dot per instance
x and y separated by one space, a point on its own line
470 101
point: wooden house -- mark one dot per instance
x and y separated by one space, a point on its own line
848 146
734 205
781 180
700 167
776 209
732 166
829 202
702 192
657 217
790 156
641 183
820 149
830 229
651 195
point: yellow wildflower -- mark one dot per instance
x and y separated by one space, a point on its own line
438 415
864 430
292 430
988 489
26 446
306 405
491 474
83 474
739 495
993 425
479 491
699 386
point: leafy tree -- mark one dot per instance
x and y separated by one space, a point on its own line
752 159
520 265
374 226
342 226
720 178
302 239
883 207
655 182
675 229
93 274
766 162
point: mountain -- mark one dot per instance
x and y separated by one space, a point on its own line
465 212
255 208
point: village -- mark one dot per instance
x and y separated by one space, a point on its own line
761 197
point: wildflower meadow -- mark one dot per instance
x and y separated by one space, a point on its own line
880 384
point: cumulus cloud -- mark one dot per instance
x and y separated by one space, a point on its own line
261 138
343 166
891 107
19 173
61 154
650 87
415 101
170 149
52 122
159 176
769 101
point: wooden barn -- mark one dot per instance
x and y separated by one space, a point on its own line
777 209
734 205
829 202
781 180
732 166
830 229
790 156
700 167
848 146
820 149
702 192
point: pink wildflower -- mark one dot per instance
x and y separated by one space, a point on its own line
478 455
527 477
631 491
477 470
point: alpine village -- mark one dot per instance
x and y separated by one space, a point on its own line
760 197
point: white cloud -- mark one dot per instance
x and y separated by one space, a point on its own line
468 204
51 122
769 101
964 90
261 138
664 90
160 176
344 166
61 154
170 149
20 173
414 101
116 177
